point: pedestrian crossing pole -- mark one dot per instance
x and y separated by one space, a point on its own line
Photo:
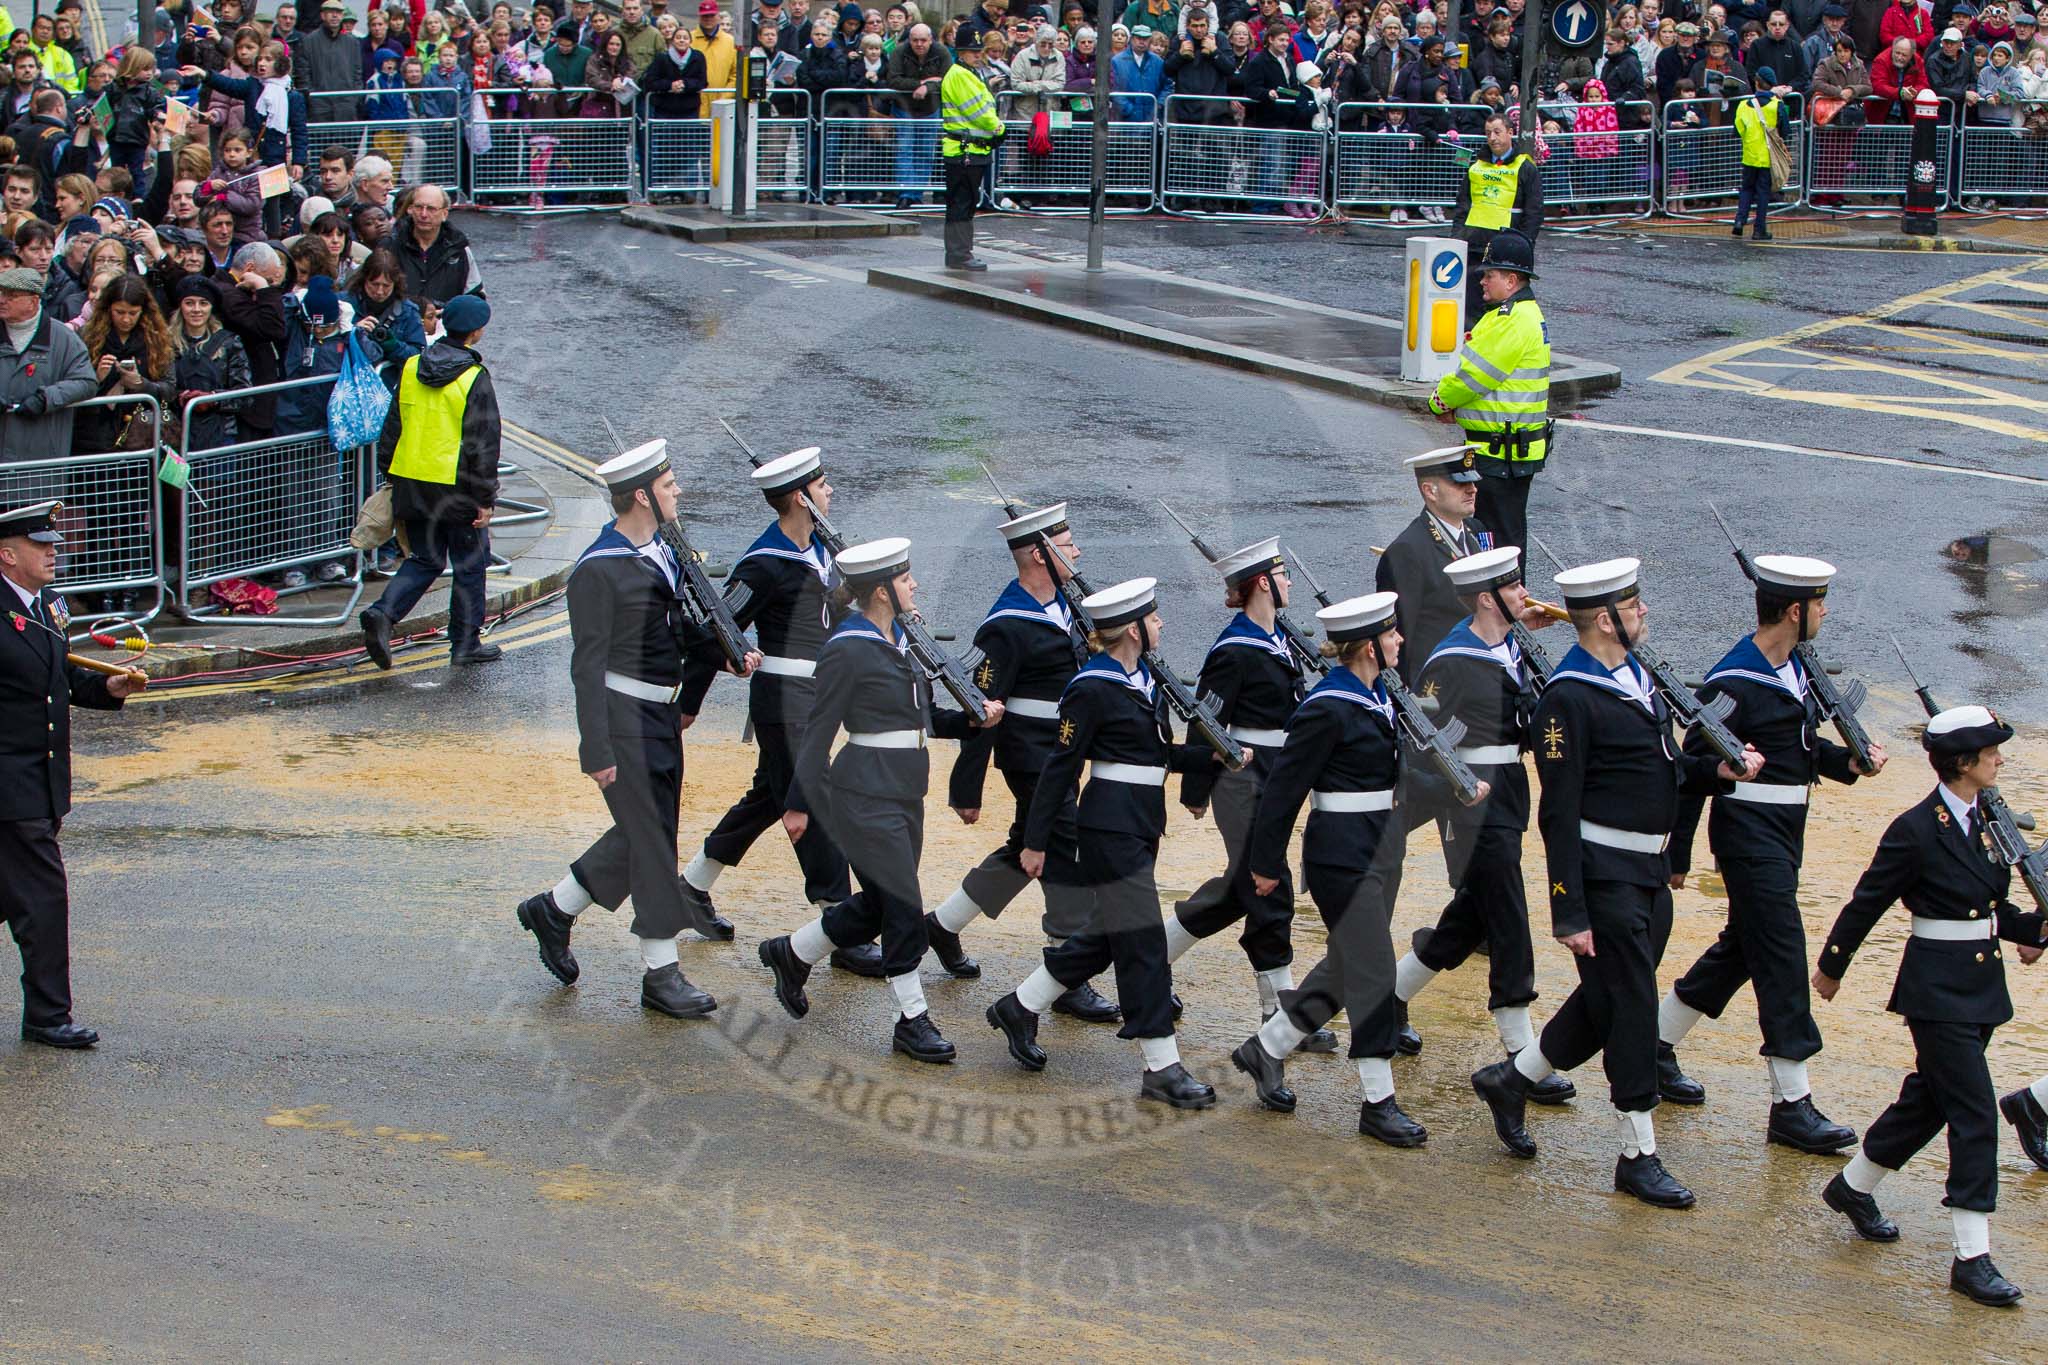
1533 34
1098 151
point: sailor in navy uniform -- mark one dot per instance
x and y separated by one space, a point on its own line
1113 717
1611 776
786 587
1477 676
1343 757
871 794
1032 648
1413 562
1939 860
1252 679
38 688
630 631
1758 834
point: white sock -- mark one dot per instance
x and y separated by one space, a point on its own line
570 897
1272 981
1862 1174
1279 1036
1376 1074
956 912
1039 991
1178 939
1788 1079
909 989
1160 1053
702 872
1638 1133
810 943
2040 1091
1675 1019
1410 976
1516 1034
1533 1065
1973 1233
658 952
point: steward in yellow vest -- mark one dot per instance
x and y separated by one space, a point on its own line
439 451
1502 188
971 131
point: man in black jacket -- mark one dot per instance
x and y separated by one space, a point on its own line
440 451
1779 50
35 789
435 257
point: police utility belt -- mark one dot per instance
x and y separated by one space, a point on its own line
1954 930
1503 445
645 691
1352 803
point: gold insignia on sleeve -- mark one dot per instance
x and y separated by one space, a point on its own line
1429 688
1557 889
986 675
1066 732
1553 740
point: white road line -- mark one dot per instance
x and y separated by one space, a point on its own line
1995 475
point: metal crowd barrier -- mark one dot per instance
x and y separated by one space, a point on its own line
1405 166
1261 171
544 160
1873 160
270 505
676 153
111 542
1608 175
424 147
894 154
1131 159
782 142
2005 163
1706 162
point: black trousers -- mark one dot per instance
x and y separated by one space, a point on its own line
1949 1086
964 176
885 863
1488 906
637 856
36 899
1125 931
1222 901
1504 508
999 878
762 806
1764 942
1755 191
1357 971
1614 1009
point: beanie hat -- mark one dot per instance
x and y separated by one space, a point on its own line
321 304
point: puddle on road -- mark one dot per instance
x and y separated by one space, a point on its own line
1990 570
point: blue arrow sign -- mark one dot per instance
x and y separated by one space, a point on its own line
1575 24
1447 269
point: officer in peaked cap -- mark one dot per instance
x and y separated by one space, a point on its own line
1412 566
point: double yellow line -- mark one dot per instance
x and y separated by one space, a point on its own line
555 454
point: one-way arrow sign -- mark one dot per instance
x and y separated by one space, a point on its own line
1575 24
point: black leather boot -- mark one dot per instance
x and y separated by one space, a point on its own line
1645 1177
1088 1005
1860 1209
1269 1077
2029 1122
1019 1027
667 991
1672 1083
1176 1087
790 971
1322 1040
863 959
951 955
919 1040
545 920
1384 1120
704 916
376 636
1406 1040
1797 1124
1980 1280
1506 1091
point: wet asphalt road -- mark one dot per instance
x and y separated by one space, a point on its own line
341 1113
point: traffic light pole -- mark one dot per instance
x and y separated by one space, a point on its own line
742 112
1098 150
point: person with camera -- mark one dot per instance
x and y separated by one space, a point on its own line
388 320
129 346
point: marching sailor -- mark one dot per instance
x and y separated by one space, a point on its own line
786 587
1113 716
1412 564
1758 833
630 631
1477 676
871 793
1938 858
1611 780
1032 648
1252 678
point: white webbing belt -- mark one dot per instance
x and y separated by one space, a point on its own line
1351 803
1490 753
1631 840
888 739
1137 774
1271 739
645 691
1034 707
1769 793
1954 929
787 668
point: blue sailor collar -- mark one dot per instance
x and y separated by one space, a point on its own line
1747 662
1107 669
857 624
1341 684
1464 642
611 543
815 556
1583 667
1016 601
1242 630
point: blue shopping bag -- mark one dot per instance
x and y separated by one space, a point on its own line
356 409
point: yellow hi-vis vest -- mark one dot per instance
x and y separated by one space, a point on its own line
1500 392
430 425
1493 191
968 110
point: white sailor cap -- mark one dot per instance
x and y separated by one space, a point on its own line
1793 576
787 472
1122 604
37 522
1593 585
1358 618
637 468
1964 730
1452 462
1025 530
874 561
1474 574
1241 566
